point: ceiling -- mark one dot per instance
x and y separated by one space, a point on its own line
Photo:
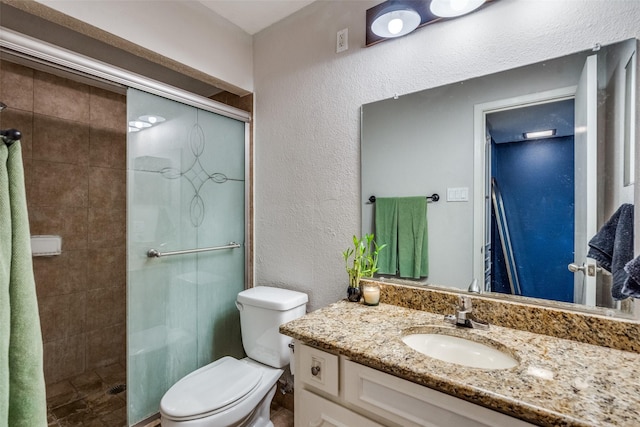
255 15
509 125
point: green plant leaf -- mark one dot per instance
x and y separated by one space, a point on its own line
365 258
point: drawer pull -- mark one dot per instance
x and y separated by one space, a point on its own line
315 370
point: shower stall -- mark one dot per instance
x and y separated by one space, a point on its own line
180 233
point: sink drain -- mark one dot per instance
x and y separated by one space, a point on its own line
116 389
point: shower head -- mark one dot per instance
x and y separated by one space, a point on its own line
2 106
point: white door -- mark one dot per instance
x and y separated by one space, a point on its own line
586 185
482 173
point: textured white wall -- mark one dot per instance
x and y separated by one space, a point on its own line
186 32
308 102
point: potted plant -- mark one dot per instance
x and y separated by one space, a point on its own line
364 264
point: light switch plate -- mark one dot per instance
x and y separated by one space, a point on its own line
458 194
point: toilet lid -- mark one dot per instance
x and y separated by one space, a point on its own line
210 388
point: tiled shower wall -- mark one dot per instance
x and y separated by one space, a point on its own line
74 149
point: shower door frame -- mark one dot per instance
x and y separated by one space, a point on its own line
83 68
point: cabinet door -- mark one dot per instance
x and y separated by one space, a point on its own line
315 411
317 368
413 405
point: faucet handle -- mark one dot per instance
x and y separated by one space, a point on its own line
464 304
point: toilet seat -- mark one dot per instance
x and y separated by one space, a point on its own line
193 397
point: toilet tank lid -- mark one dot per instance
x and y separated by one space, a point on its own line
272 298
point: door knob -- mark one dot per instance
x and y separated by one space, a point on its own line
574 268
589 269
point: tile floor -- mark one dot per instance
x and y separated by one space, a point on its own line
86 401
281 416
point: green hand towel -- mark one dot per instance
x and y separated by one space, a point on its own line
22 388
413 253
386 220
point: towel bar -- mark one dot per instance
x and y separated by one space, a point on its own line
153 253
432 198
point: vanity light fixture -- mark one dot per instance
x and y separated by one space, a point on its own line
539 134
454 8
396 20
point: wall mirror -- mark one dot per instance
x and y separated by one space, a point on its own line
552 193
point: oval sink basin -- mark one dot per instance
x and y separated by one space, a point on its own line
460 351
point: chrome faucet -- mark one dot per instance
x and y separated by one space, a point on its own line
474 288
463 317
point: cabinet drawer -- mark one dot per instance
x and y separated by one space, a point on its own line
410 404
317 368
314 411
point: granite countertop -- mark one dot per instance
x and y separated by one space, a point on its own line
557 381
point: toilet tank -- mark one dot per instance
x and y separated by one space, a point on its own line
262 310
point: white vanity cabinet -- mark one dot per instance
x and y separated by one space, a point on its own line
331 390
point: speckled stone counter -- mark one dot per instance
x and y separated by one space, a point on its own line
557 381
556 319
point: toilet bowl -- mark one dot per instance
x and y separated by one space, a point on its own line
228 392
231 392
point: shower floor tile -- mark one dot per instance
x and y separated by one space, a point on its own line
86 400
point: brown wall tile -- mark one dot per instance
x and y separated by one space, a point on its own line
64 358
107 227
59 184
59 97
108 148
104 308
62 316
16 86
61 141
106 346
106 188
101 272
62 274
69 223
108 110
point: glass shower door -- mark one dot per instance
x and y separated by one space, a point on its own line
186 190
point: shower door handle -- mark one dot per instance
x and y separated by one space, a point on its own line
588 269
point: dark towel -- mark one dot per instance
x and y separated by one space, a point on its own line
612 247
631 286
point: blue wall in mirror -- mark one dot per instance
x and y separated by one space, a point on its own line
536 179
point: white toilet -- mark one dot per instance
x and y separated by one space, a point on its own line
231 392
